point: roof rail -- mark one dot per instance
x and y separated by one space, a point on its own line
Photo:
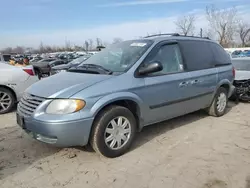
176 35
195 37
167 34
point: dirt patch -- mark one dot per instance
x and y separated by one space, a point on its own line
193 151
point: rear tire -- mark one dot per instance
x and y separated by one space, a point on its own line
113 131
7 100
219 104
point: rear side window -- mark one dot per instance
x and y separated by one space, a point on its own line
197 54
220 55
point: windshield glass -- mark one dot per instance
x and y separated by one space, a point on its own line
120 57
79 60
241 64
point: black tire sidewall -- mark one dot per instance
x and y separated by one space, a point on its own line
12 100
220 90
102 123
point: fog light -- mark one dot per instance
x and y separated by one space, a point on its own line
46 139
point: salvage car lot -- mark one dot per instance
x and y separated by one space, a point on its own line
195 150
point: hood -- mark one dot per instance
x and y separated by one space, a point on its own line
65 84
242 75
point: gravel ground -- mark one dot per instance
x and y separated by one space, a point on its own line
193 151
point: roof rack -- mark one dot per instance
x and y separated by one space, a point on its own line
176 35
167 34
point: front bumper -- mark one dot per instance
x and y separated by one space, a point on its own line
63 134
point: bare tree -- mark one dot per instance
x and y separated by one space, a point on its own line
98 42
185 25
67 45
91 44
86 45
7 50
41 48
244 33
117 40
18 50
223 22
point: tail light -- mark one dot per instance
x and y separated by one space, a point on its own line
29 71
233 72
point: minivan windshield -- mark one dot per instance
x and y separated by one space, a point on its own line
241 64
121 56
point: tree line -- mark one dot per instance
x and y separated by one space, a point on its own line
89 45
224 25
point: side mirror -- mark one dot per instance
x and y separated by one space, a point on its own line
152 67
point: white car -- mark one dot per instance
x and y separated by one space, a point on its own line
242 78
13 82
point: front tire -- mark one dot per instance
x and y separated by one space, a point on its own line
219 104
113 131
7 100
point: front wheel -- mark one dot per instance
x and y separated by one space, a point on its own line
218 107
113 131
7 100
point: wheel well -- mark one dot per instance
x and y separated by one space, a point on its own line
129 104
11 90
226 86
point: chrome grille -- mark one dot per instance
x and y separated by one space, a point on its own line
28 104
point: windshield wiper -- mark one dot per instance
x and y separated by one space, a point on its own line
94 66
91 68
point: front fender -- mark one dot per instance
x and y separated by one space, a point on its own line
108 99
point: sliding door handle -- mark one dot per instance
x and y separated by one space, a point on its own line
194 82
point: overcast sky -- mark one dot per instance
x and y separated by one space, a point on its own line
28 22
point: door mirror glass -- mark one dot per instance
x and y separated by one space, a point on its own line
149 68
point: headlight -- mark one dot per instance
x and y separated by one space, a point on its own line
65 106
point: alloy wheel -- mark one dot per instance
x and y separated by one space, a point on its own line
5 101
117 133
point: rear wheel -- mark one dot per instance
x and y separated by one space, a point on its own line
218 107
7 100
113 131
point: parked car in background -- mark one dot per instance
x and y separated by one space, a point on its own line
242 79
246 53
35 59
57 62
13 82
42 67
132 84
64 67
5 58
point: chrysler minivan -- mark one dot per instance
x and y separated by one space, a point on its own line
127 86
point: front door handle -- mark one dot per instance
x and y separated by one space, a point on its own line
183 84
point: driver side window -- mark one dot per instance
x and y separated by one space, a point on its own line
170 57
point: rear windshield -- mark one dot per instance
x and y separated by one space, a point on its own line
241 64
6 57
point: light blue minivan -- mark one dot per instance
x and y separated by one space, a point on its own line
115 93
